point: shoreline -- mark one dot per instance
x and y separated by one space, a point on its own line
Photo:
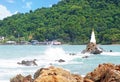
56 45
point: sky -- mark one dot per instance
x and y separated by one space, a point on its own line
10 7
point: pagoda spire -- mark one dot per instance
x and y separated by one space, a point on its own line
93 40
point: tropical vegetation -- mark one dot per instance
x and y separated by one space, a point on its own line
69 21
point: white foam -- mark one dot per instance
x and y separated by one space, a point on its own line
111 53
4 80
80 55
8 63
56 54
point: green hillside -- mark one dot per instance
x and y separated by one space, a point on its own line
69 21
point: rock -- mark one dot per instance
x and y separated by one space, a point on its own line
78 77
110 50
117 67
60 60
92 48
72 54
28 62
112 76
53 74
28 79
85 56
105 73
87 80
20 78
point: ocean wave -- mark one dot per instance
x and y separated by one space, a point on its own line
4 80
111 53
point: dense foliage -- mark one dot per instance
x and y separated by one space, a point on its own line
69 21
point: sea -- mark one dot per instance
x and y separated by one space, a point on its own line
47 55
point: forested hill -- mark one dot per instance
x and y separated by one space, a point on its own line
69 21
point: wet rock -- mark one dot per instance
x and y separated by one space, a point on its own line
28 62
85 56
60 60
72 54
53 74
92 48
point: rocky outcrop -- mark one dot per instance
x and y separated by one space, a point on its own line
20 78
92 48
53 74
112 76
50 74
103 73
28 62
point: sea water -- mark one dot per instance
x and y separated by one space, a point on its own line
47 55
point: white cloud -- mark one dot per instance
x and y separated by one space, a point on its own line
4 12
15 12
10 1
28 5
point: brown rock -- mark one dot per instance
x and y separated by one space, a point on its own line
52 78
92 48
28 79
112 76
117 67
78 77
20 78
105 73
53 74
87 80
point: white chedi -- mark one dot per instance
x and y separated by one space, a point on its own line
93 40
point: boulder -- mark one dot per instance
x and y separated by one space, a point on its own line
54 74
112 76
28 62
20 78
105 73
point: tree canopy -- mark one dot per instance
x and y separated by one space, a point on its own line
69 21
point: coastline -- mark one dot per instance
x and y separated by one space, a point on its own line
76 64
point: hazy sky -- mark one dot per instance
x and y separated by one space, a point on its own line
10 7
